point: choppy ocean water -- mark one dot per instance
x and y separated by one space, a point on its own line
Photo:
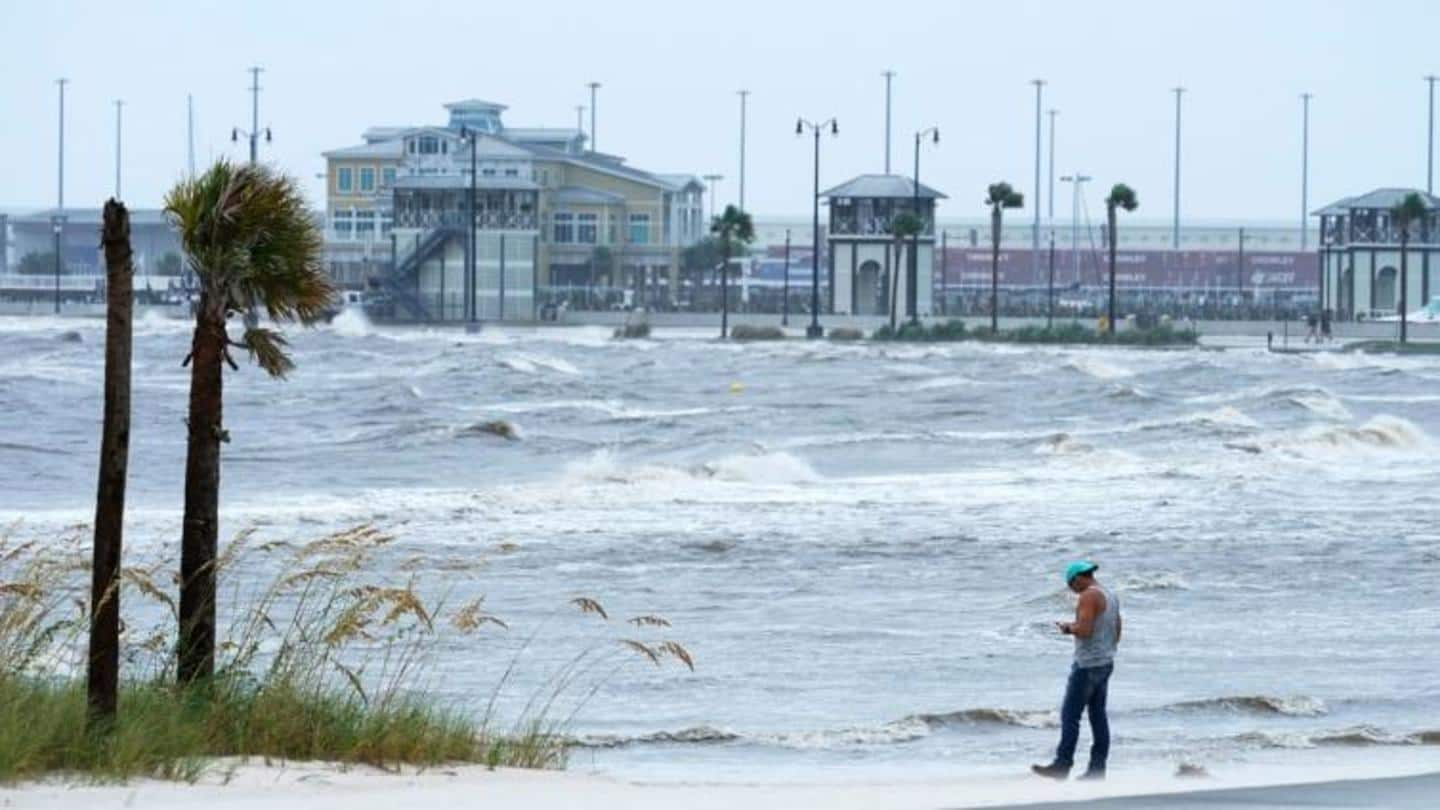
859 544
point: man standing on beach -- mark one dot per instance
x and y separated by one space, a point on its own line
1097 633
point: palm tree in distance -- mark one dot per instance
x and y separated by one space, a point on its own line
1121 196
1403 216
735 230
904 226
1000 197
251 242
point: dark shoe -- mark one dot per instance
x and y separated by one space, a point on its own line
1052 771
1091 775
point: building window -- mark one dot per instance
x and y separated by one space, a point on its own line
564 227
387 177
587 229
387 219
429 145
512 172
365 225
640 229
344 180
487 172
410 146
342 222
367 178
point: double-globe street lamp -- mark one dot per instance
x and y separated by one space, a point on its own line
912 275
814 331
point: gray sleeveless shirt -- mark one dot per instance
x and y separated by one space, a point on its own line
1099 649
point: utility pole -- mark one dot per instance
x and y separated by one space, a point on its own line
593 87
1175 234
190 131
118 105
1076 179
889 78
1430 142
744 94
1304 170
254 114
1050 221
1035 229
59 224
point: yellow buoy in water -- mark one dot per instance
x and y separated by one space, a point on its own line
737 388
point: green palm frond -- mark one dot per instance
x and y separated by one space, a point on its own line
1408 211
1122 196
251 240
267 348
1003 195
735 227
905 225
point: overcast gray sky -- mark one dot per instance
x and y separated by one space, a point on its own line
670 71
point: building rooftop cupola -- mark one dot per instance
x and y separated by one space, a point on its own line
482 116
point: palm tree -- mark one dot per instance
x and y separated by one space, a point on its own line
1121 196
252 243
102 676
735 230
905 225
1001 196
1410 210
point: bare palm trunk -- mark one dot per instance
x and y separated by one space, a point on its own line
198 542
1110 316
995 270
725 291
894 291
103 671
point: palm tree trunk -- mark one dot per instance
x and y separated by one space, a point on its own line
198 541
995 270
894 291
1110 313
103 672
725 291
1404 281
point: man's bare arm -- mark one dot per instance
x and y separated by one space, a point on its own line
1092 603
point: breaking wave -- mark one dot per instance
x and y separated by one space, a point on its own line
764 468
1300 706
1356 737
1099 369
531 363
1381 433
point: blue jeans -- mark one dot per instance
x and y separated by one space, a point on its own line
1086 690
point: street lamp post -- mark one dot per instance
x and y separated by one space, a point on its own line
889 79
744 96
1430 141
785 302
912 274
1050 219
59 224
118 105
1304 169
1175 232
1076 179
712 180
471 265
1035 229
814 331
252 134
593 87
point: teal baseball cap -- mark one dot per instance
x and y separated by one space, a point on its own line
1077 568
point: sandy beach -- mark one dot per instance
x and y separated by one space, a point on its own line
1397 780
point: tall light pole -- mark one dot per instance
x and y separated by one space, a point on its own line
253 134
59 224
1175 233
472 267
912 275
593 87
814 331
119 104
1050 222
889 78
1430 140
1304 169
190 132
744 95
711 181
1076 179
1035 229
580 118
